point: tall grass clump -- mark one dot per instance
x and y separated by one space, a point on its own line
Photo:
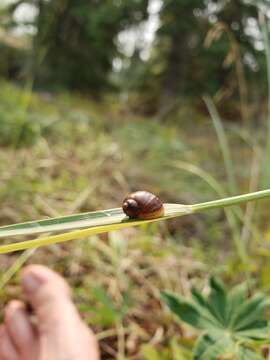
22 122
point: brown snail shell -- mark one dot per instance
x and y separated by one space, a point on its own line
143 205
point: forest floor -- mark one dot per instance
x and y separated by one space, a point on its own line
66 154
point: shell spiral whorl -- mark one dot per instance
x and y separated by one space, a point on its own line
143 205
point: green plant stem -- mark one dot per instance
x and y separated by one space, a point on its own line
266 40
223 142
234 200
15 267
230 214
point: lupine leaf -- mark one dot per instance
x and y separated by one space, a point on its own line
251 312
260 333
188 311
210 346
244 321
247 354
203 307
235 299
198 298
201 345
217 300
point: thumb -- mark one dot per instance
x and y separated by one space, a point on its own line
58 323
49 296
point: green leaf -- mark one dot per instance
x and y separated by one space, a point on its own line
244 321
222 346
187 311
217 300
201 345
92 223
204 308
107 315
247 354
211 345
84 220
198 298
251 312
235 300
261 333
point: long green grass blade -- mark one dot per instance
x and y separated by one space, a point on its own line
83 225
234 200
266 39
223 142
85 220
95 224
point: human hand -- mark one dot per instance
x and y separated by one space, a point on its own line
58 332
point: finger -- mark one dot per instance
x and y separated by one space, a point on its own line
7 348
59 323
21 330
48 294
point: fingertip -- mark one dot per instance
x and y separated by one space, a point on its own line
33 276
11 308
35 268
43 286
42 271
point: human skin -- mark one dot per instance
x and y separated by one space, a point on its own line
57 332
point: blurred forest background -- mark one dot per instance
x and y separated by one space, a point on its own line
161 50
102 97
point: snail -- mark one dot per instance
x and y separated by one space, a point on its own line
143 205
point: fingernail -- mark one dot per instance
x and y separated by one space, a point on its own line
31 282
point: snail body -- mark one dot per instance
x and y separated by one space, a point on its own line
143 205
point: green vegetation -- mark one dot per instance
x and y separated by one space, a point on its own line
79 162
101 98
232 323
